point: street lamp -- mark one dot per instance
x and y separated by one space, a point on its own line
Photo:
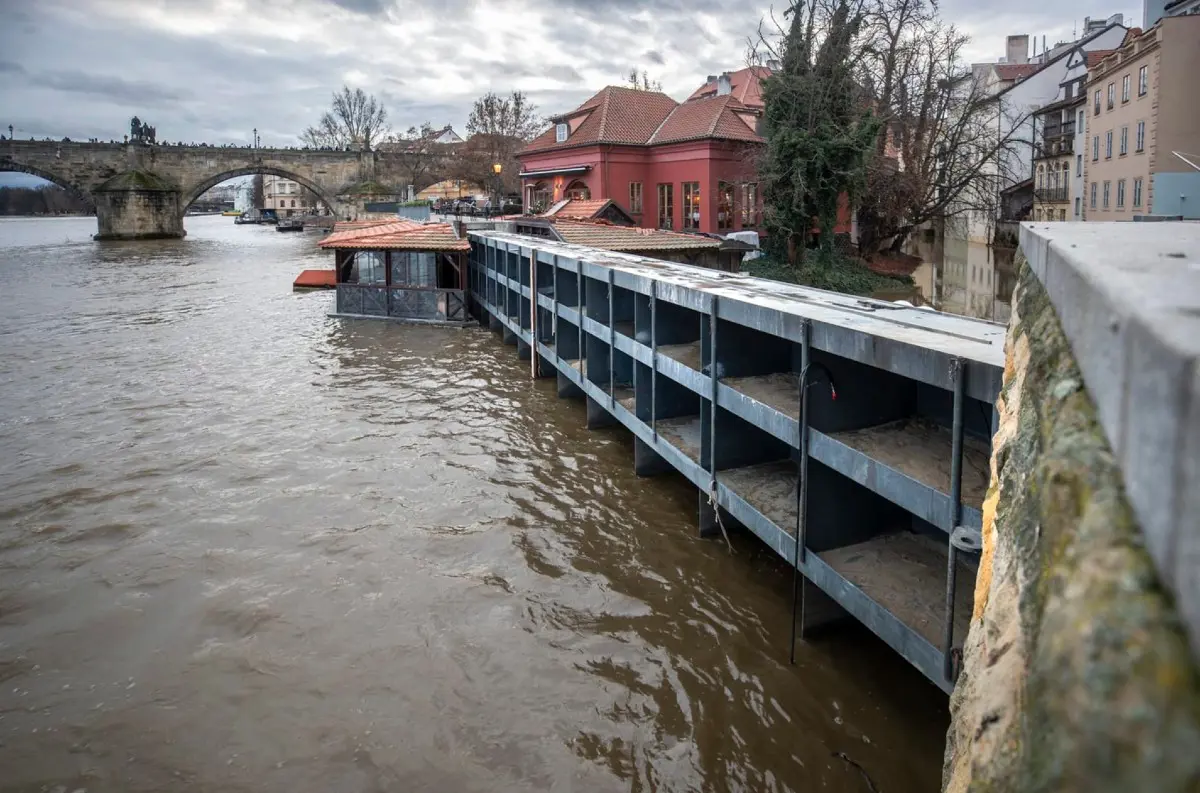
496 169
256 137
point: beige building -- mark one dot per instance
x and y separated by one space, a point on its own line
1141 110
285 196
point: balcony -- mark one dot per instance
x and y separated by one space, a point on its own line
1050 195
1055 147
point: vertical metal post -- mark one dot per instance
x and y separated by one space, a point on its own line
958 373
799 552
612 343
554 301
654 360
533 312
712 395
579 313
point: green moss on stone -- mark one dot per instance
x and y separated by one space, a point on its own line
1110 698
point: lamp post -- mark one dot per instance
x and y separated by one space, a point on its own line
256 137
496 169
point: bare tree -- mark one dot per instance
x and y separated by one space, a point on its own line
423 160
356 120
499 127
949 144
642 82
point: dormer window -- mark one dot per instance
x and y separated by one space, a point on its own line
561 131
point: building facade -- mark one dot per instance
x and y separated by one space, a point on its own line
1054 157
1144 125
670 165
285 196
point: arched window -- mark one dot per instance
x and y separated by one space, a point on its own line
578 190
293 202
1041 177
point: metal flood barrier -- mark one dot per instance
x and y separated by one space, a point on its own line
861 427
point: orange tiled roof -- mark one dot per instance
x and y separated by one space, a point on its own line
576 208
746 85
1016 71
344 225
614 115
399 235
712 117
629 238
1095 56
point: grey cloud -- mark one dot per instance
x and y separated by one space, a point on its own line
563 73
195 86
367 7
111 87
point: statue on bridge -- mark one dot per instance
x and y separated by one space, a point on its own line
140 132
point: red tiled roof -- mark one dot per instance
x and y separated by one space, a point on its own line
746 85
614 115
713 117
345 225
1016 71
1095 56
630 238
575 208
399 235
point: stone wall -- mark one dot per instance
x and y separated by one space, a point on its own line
1077 674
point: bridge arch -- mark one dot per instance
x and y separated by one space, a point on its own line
13 166
190 194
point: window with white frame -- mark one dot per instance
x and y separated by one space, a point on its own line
1107 192
1092 199
1137 193
1108 145
1125 81
1143 80
1120 194
1124 140
1140 140
561 131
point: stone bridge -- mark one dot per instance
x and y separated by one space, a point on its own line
141 191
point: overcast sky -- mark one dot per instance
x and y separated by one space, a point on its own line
213 70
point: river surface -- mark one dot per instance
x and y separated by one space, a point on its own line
248 547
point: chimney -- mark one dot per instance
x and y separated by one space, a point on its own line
1017 49
724 86
712 78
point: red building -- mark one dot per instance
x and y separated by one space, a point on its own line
685 166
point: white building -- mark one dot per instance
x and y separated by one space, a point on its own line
285 196
1048 84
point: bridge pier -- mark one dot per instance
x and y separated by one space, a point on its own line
138 205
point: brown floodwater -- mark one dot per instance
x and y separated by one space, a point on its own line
248 547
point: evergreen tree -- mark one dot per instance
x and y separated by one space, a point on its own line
818 125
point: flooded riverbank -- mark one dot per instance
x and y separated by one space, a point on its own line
247 546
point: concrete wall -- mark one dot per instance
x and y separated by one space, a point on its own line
1077 671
